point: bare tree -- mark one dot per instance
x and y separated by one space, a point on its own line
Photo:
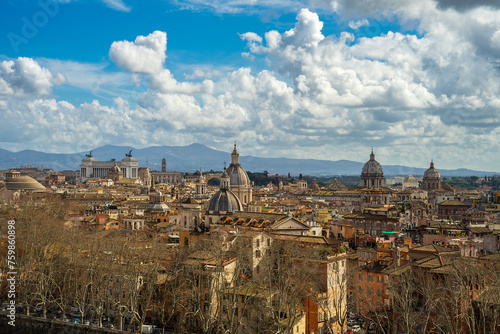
39 253
469 302
143 278
287 280
171 287
335 297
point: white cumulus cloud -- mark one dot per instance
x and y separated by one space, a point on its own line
145 55
415 95
24 76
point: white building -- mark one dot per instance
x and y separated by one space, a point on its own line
91 168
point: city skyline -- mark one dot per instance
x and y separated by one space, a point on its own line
300 79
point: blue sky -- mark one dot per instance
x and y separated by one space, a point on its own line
324 79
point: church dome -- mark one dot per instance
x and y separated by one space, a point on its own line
432 173
372 168
237 176
224 201
23 183
236 173
410 178
314 186
115 169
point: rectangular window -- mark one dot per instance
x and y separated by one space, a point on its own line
370 278
360 276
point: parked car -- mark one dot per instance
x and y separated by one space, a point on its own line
349 331
356 328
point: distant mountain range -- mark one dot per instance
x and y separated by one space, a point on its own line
195 156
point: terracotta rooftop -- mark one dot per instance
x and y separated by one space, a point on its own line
452 202
480 230
301 238
432 248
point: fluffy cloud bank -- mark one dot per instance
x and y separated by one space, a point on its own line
432 93
24 76
375 88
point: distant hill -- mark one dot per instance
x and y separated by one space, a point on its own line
195 156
